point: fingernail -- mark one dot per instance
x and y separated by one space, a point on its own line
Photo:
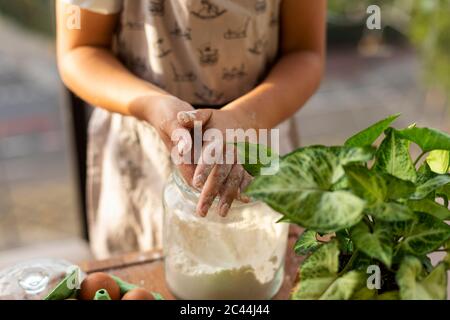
198 181
204 210
224 209
181 145
200 212
187 116
182 116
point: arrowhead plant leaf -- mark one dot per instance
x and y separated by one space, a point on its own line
344 287
318 272
398 189
372 187
375 244
368 136
416 285
345 243
424 189
393 157
307 243
254 157
301 189
426 138
430 207
366 184
438 160
424 173
447 261
320 279
391 211
423 235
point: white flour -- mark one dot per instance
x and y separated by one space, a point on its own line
237 257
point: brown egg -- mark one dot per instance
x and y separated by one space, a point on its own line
96 281
138 294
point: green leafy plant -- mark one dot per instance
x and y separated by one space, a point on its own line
380 207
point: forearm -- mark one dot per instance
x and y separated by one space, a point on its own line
290 83
98 77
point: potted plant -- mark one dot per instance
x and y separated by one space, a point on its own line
386 213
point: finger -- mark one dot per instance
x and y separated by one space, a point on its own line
212 187
187 168
246 180
178 144
188 118
182 140
206 163
230 189
187 172
202 171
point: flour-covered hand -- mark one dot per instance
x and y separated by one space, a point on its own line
217 172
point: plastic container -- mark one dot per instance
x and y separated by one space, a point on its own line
32 280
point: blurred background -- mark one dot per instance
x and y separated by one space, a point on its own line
404 67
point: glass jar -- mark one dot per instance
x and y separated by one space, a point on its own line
240 256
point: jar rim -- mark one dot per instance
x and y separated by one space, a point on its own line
186 189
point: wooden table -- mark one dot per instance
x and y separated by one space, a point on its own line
147 269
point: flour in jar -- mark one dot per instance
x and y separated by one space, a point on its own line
237 257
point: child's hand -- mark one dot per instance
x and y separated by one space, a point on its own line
163 117
226 180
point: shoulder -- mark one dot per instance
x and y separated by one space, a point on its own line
98 6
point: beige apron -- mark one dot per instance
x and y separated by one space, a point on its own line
206 52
